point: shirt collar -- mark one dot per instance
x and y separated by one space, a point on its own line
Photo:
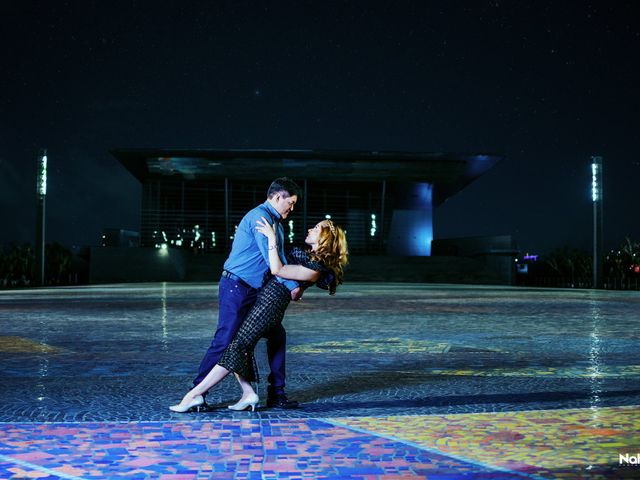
274 213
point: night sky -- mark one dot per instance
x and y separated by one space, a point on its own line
547 84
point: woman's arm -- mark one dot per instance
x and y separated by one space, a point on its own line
297 272
269 231
290 272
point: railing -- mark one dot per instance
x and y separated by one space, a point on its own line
610 283
622 283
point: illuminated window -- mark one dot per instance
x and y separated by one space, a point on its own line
290 231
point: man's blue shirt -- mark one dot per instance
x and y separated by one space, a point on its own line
251 263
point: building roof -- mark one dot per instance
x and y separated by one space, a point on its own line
447 172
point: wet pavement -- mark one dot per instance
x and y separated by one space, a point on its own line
395 380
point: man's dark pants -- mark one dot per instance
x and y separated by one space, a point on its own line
235 299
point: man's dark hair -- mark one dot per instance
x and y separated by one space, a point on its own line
283 184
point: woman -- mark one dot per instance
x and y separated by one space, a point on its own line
322 264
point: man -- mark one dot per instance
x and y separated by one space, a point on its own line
245 271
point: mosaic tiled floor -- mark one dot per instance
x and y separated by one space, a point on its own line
397 381
542 444
227 449
545 443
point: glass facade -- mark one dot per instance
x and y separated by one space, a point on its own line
202 215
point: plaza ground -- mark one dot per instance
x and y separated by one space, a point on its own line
395 380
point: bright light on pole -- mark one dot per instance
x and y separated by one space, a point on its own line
42 173
41 193
596 168
596 198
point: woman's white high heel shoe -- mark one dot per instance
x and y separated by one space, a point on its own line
195 402
250 401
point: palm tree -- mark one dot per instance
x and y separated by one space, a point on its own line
624 263
572 266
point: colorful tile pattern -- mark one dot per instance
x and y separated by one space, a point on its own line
243 449
568 444
11 344
369 345
566 372
580 443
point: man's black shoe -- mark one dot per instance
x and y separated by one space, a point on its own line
281 401
205 407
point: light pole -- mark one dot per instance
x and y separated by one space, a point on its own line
41 193
596 197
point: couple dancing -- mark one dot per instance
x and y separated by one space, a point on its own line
257 284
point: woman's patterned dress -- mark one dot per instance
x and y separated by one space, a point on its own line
267 313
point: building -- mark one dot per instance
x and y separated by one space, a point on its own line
192 200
